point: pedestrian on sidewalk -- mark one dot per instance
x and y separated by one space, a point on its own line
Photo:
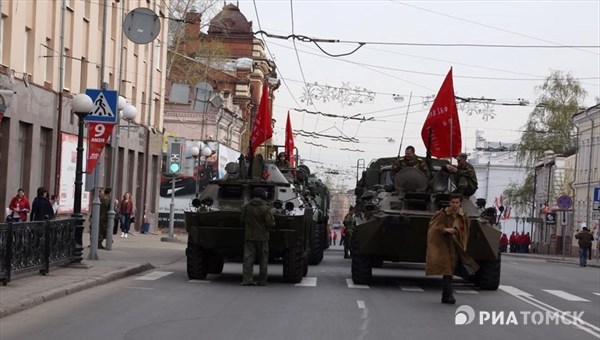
512 242
334 238
104 208
503 243
19 207
585 245
526 243
126 211
342 235
41 208
257 219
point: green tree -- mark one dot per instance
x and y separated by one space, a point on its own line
549 127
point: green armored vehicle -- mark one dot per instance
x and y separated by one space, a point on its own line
317 196
393 221
216 232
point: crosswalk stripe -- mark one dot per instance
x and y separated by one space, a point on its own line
351 284
307 282
565 295
410 288
361 304
199 281
153 276
466 291
597 294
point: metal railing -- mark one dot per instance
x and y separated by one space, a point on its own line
30 246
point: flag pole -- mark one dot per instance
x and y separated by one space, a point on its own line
404 128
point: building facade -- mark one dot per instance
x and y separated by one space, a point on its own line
52 50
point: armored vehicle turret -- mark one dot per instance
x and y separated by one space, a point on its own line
216 232
393 221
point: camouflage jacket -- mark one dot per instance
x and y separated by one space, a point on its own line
418 163
466 177
349 222
257 218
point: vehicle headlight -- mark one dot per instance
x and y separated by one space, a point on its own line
289 206
207 201
375 201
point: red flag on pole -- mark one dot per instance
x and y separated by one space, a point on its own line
289 141
262 129
443 122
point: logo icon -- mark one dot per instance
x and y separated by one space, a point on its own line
464 315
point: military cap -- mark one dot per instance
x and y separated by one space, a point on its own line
462 155
260 193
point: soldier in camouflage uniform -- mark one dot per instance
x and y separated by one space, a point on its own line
257 218
410 160
463 176
349 225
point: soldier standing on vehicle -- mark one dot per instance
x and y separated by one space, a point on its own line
349 225
446 245
257 218
281 161
463 176
410 160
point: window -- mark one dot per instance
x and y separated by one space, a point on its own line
83 76
154 175
4 43
230 192
50 57
86 9
68 69
23 155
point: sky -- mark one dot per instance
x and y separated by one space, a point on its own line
400 74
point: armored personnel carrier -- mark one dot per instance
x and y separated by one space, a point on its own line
216 232
317 195
393 221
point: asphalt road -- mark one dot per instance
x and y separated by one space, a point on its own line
401 303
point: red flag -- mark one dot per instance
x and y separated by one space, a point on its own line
289 141
443 121
262 129
98 134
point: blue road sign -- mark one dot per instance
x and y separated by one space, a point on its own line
105 106
564 202
596 194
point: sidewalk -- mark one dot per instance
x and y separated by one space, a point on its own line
594 262
129 256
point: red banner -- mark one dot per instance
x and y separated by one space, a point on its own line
443 123
98 134
289 141
262 128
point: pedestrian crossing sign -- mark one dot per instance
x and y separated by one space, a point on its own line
105 106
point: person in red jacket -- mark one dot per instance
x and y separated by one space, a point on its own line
526 243
19 207
334 238
512 242
503 243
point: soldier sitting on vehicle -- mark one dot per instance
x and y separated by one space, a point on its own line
463 176
281 161
410 160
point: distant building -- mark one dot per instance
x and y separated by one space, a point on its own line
340 203
496 168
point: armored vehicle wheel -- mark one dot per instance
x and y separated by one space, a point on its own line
293 263
377 262
488 275
215 264
362 271
316 246
197 268
305 267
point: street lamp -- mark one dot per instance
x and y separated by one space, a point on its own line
121 105
82 105
195 151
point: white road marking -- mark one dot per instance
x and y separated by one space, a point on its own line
466 291
307 282
564 295
352 285
528 298
153 276
199 281
597 294
361 304
410 288
141 288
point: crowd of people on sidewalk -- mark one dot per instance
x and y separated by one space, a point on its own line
516 243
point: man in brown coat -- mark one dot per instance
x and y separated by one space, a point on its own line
446 243
585 245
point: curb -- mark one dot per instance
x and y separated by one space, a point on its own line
174 239
574 263
72 288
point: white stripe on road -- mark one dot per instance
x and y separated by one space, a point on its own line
466 291
564 295
307 282
597 294
199 281
528 298
153 276
351 284
141 288
410 288
361 304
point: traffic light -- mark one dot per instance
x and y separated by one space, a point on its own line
175 155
